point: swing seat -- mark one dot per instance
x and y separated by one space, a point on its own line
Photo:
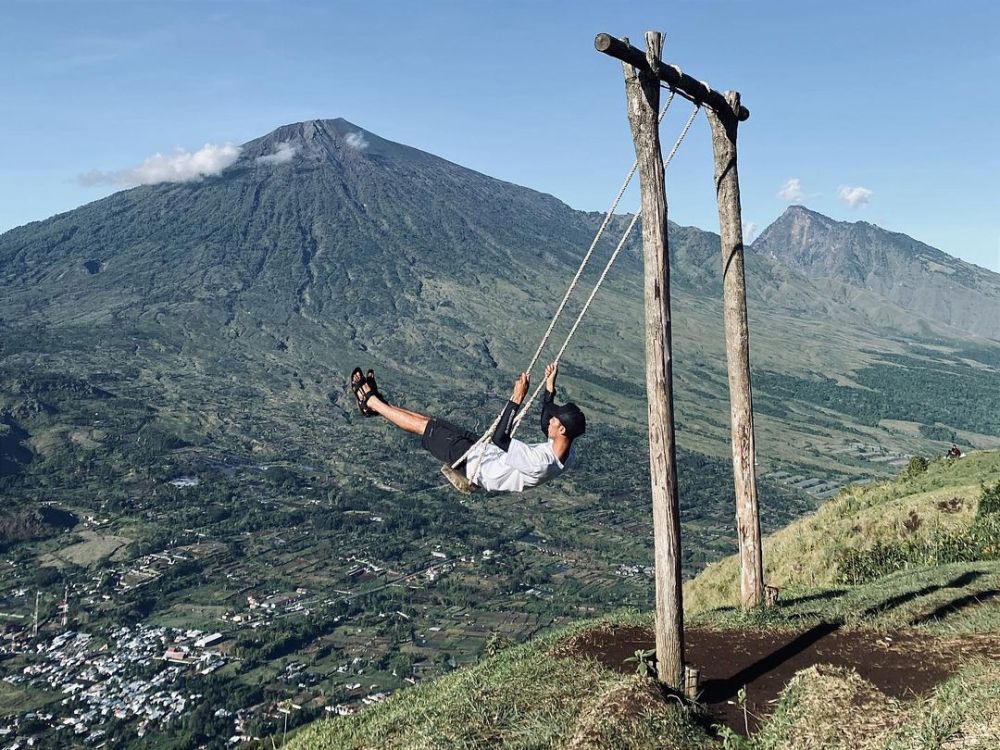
458 480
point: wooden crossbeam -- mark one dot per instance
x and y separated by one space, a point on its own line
697 91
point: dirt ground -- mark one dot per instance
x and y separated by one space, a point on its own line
901 665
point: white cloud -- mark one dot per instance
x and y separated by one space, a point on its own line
749 231
791 191
283 154
357 141
180 166
855 197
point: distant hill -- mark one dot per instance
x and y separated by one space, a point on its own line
917 277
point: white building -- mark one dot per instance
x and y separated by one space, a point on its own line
208 640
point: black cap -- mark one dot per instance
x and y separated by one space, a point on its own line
570 417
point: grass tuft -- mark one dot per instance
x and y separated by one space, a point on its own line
829 708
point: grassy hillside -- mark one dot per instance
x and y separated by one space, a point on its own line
522 697
939 621
913 520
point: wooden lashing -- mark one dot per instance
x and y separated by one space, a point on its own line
692 683
458 480
771 595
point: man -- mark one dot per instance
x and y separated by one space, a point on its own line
504 464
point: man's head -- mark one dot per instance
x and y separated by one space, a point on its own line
567 420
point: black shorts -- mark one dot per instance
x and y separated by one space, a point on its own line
445 441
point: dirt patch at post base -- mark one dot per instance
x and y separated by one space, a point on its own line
901 664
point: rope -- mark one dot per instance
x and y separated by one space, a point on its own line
590 251
572 285
607 268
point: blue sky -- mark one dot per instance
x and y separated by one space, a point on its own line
896 98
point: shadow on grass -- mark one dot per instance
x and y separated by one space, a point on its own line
721 610
892 602
956 605
717 691
820 596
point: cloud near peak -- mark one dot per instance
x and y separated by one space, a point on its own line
791 191
283 154
179 166
356 141
855 197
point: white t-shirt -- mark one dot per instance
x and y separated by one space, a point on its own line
520 467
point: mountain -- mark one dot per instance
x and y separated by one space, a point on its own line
905 271
352 227
248 295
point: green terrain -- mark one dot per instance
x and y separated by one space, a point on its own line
176 436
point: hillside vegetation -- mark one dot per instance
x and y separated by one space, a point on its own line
228 310
921 518
934 614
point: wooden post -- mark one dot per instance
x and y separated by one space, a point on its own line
692 683
725 111
724 123
642 89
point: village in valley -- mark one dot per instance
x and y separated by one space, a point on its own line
321 617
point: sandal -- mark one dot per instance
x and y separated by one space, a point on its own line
373 386
358 383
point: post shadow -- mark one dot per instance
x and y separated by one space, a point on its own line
955 605
892 602
717 691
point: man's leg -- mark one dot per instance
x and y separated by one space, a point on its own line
404 419
443 440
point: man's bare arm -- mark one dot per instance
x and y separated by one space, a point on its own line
551 372
520 388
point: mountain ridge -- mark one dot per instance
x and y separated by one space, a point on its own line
916 276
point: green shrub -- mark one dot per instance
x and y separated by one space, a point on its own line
989 501
916 467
